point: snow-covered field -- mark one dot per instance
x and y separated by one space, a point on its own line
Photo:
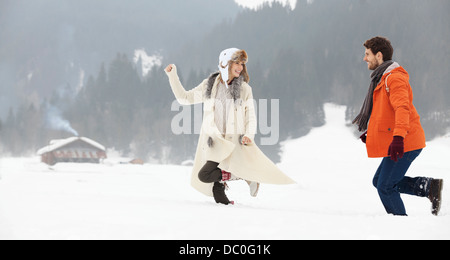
333 197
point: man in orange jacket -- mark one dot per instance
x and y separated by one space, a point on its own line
393 130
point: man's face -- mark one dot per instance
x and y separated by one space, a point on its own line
373 61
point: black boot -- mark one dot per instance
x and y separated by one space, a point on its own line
435 195
219 193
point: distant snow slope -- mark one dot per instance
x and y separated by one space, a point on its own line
147 61
255 4
333 197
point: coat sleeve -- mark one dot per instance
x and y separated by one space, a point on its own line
250 116
193 96
399 89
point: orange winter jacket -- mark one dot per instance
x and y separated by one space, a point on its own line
393 114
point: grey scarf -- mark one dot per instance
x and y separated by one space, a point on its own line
366 110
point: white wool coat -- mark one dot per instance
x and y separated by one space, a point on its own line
244 161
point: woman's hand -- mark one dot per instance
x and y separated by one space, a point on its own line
169 68
246 140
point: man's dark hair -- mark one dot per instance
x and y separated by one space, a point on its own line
377 44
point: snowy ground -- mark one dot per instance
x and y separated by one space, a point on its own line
333 197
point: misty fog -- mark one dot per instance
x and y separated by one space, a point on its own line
95 68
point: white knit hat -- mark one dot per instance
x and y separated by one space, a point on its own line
224 58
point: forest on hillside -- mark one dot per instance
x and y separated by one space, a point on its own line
302 57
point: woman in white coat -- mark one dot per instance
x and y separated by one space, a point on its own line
226 149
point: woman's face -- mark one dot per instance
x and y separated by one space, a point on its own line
236 69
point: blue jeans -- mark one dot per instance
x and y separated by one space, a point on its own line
390 181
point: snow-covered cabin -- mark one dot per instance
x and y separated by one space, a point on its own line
73 149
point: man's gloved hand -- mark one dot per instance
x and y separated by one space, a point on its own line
396 149
363 137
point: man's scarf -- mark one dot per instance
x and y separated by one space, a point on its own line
366 110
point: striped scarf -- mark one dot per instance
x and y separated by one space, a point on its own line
362 119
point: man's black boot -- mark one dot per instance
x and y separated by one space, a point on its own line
435 195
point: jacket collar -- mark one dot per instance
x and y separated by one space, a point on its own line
394 68
390 68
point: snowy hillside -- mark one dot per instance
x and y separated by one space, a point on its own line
333 197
